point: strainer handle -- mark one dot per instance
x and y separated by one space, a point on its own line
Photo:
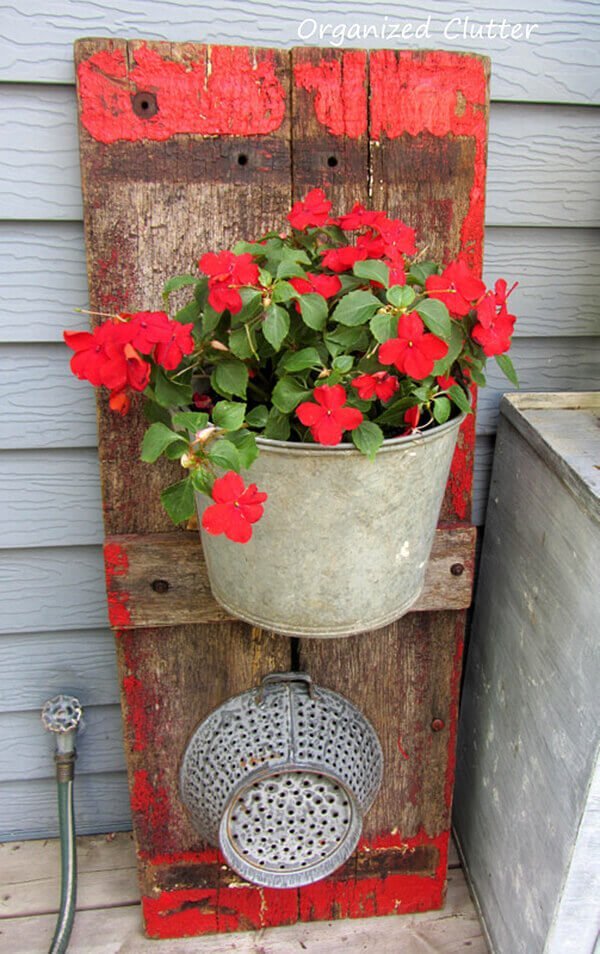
278 677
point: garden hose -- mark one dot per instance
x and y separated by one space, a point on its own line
62 715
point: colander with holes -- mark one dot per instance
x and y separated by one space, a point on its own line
280 778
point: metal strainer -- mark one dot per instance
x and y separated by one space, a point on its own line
280 778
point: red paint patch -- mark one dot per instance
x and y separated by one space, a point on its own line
341 93
453 716
222 92
150 804
460 481
401 748
441 93
116 563
136 706
188 912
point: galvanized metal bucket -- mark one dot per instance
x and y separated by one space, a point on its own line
344 541
280 777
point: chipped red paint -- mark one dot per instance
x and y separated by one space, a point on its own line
205 857
453 714
150 804
340 92
188 912
460 481
135 696
441 93
221 92
401 748
116 563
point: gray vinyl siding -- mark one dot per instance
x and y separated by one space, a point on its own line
543 227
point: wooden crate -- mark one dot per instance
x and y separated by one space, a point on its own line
528 779
186 148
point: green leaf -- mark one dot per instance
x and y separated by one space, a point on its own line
210 319
441 409
401 296
224 454
278 426
301 360
287 395
436 317
507 367
294 255
394 413
191 421
171 393
230 377
154 412
356 308
459 397
276 325
176 450
202 480
343 363
290 270
283 291
374 271
189 313
422 271
245 442
258 416
156 439
251 306
229 415
368 438
455 346
477 376
177 282
383 327
314 310
241 342
178 500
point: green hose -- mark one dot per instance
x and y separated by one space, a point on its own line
65 770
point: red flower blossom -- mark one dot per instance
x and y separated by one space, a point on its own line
411 419
445 381
342 259
456 287
325 285
397 275
495 337
120 402
147 328
228 272
358 217
414 351
235 508
90 347
202 402
126 368
398 238
381 384
328 418
313 209
170 352
373 245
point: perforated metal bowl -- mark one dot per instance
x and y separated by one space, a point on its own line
280 778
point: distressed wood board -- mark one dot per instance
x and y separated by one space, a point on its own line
143 184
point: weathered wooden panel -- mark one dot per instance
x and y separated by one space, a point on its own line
544 162
529 721
28 808
557 62
27 749
482 471
37 666
52 498
52 588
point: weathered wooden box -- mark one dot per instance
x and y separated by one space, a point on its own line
527 804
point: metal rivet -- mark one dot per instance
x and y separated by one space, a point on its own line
160 586
437 725
457 569
144 105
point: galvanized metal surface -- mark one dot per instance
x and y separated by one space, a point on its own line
343 543
280 777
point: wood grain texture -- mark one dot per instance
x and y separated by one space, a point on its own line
529 727
558 271
557 63
29 807
27 751
161 579
37 666
543 163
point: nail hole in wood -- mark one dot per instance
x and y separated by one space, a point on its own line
457 569
144 105
242 159
160 586
332 162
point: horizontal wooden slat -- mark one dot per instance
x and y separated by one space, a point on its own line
184 595
42 265
37 666
543 166
557 62
51 498
28 808
27 749
48 589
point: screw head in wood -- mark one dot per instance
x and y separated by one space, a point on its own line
457 569
437 725
160 586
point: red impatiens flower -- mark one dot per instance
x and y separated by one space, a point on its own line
398 239
456 287
325 285
381 384
147 328
236 507
120 402
411 419
90 347
359 217
313 209
342 259
445 381
168 354
495 337
228 272
414 351
202 402
328 418
126 368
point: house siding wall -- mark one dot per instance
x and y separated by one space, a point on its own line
543 227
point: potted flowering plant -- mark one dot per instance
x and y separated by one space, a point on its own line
335 361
